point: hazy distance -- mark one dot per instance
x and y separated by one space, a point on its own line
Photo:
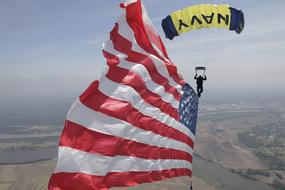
53 49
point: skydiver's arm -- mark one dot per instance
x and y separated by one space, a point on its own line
196 77
205 77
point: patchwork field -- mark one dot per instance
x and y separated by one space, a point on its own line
236 147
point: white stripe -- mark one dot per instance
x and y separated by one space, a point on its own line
151 85
102 123
143 73
75 161
128 2
126 32
126 93
148 24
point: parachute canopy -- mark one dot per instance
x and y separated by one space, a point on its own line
200 68
203 16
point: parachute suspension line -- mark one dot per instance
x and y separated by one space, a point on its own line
218 53
172 47
206 50
118 13
186 45
181 51
176 48
234 3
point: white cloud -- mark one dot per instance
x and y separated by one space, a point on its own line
156 19
95 41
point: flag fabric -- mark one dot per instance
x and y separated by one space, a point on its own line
134 125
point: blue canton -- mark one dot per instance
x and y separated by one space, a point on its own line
188 108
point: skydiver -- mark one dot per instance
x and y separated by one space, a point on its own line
199 82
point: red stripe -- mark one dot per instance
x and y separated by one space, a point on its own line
163 47
135 20
113 60
123 45
80 181
155 39
81 138
122 110
126 77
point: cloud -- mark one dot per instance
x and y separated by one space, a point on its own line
265 27
259 36
156 19
95 41
264 46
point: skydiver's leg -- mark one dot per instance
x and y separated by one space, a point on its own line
198 91
201 89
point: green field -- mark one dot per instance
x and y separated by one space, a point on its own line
268 142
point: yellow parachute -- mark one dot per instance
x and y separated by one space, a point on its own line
203 16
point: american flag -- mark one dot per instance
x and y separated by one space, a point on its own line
134 125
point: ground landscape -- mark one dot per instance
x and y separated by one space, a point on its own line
240 144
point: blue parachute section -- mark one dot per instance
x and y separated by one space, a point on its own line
188 108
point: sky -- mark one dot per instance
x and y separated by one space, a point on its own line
53 47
